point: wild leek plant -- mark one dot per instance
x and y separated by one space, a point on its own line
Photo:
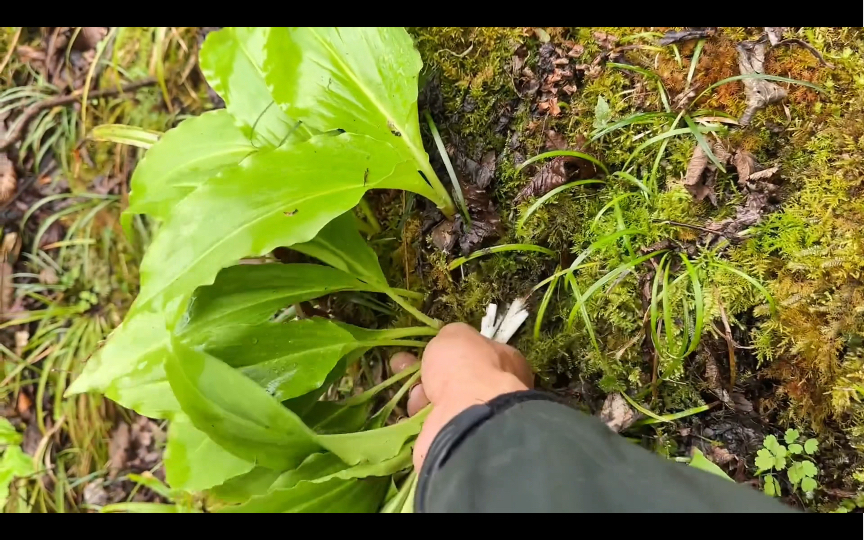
314 118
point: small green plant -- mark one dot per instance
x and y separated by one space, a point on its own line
314 118
793 457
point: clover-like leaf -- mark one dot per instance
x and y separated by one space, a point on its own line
809 469
795 473
770 443
795 448
791 436
808 485
779 451
771 487
764 460
779 463
811 446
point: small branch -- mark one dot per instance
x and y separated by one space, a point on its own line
811 48
17 132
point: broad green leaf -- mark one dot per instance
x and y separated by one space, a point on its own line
327 417
699 461
795 448
333 496
241 488
791 436
191 247
360 80
808 468
770 443
8 434
808 485
186 157
286 359
231 60
771 487
252 293
376 445
340 245
194 462
795 473
14 463
811 446
129 368
303 404
235 412
779 451
764 460
602 113
298 190
779 463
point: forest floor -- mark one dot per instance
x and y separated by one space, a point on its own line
753 187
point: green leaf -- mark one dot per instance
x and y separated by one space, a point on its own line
232 60
764 460
795 448
241 488
342 496
770 443
340 245
194 462
795 473
14 463
327 417
811 446
191 247
779 451
771 487
808 468
235 412
808 485
361 80
8 434
286 359
791 436
376 445
699 461
210 143
779 463
252 293
602 113
123 134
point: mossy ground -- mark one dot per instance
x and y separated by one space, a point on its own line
802 366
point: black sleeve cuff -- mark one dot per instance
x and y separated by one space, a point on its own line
459 428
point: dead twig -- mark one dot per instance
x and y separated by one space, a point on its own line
811 48
17 132
11 50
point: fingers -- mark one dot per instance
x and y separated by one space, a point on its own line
401 361
417 400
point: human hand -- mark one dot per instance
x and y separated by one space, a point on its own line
460 368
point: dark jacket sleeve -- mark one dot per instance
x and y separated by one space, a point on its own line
525 452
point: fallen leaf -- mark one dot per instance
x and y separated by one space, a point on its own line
760 93
556 173
715 380
696 181
118 449
444 235
485 221
550 105
605 40
674 36
576 51
24 404
616 413
11 247
95 494
721 456
555 141
89 36
48 276
745 164
766 175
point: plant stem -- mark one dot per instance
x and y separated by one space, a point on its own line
401 292
363 397
370 215
457 189
411 331
425 319
394 343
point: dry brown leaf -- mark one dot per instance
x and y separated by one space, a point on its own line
118 449
24 404
775 34
11 247
767 174
444 235
760 93
89 37
745 164
616 413
699 179
674 36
